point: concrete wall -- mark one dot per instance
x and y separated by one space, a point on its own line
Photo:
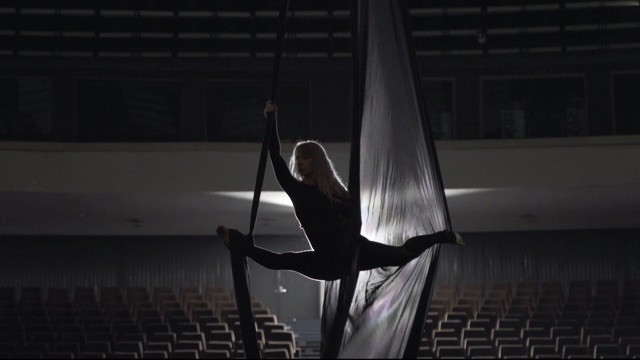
197 167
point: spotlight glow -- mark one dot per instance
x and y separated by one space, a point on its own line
280 197
270 197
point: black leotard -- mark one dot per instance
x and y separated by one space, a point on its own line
325 222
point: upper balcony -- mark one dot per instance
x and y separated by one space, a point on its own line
529 104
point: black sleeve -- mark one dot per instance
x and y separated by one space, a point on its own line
280 168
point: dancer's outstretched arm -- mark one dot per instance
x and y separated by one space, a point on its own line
280 168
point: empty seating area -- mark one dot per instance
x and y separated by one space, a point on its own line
535 320
135 322
540 320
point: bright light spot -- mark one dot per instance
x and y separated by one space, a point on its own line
282 199
270 197
460 192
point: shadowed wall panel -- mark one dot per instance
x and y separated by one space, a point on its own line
58 261
54 261
542 256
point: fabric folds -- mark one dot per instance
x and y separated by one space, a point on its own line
401 195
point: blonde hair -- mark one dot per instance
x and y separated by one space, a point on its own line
324 172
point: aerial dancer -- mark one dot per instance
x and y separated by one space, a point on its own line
321 205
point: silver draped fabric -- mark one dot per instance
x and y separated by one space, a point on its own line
401 194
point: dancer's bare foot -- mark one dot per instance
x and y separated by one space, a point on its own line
223 232
449 237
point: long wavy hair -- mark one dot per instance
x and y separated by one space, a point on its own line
324 172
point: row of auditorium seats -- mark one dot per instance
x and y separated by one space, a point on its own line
135 322
543 320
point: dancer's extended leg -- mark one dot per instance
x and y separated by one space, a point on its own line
307 263
374 255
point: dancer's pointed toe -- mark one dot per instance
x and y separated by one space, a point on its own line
223 232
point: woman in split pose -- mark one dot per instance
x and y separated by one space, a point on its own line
321 205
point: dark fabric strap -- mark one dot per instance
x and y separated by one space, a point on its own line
240 269
348 283
240 273
282 21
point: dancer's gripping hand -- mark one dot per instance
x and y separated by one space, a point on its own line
270 108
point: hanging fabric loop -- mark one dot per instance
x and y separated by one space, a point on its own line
282 20
239 267
399 176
